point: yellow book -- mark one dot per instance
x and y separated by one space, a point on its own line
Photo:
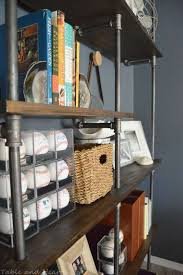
77 58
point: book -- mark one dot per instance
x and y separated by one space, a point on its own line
55 58
131 221
146 217
68 63
77 61
74 70
149 215
61 57
34 58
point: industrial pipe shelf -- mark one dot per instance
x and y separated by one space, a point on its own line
94 18
132 268
45 248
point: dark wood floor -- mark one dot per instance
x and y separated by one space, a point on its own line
160 270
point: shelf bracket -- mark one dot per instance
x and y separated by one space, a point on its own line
81 125
108 24
82 31
137 62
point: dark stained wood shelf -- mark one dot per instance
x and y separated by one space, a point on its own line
136 44
46 247
133 267
27 109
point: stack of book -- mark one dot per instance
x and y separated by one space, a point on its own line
48 59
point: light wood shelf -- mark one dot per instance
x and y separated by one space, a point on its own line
27 109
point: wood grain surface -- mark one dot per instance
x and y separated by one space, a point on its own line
27 109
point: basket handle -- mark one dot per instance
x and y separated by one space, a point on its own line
103 159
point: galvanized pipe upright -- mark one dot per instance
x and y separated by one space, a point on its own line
117 136
153 120
13 130
153 125
11 34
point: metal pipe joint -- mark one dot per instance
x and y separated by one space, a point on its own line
13 133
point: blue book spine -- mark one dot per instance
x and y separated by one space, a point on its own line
49 56
68 63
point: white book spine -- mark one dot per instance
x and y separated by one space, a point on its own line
146 215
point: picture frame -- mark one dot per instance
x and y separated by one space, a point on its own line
77 260
125 153
134 133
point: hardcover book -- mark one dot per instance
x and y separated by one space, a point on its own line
146 217
77 73
68 63
55 58
74 70
34 58
61 57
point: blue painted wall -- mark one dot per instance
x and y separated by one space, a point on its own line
169 135
168 202
107 79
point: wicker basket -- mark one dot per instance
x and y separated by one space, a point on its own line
93 170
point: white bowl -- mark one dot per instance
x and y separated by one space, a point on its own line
93 133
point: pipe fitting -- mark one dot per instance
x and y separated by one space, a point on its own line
13 134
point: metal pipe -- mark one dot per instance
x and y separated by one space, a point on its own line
153 106
13 130
14 141
94 28
117 137
11 30
82 125
153 125
137 62
149 259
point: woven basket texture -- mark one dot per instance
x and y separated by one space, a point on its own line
93 172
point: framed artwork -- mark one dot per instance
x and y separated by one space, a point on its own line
125 153
134 133
77 260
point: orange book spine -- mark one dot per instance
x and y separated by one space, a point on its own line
61 58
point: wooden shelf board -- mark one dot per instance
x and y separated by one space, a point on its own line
136 44
46 247
132 268
27 109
